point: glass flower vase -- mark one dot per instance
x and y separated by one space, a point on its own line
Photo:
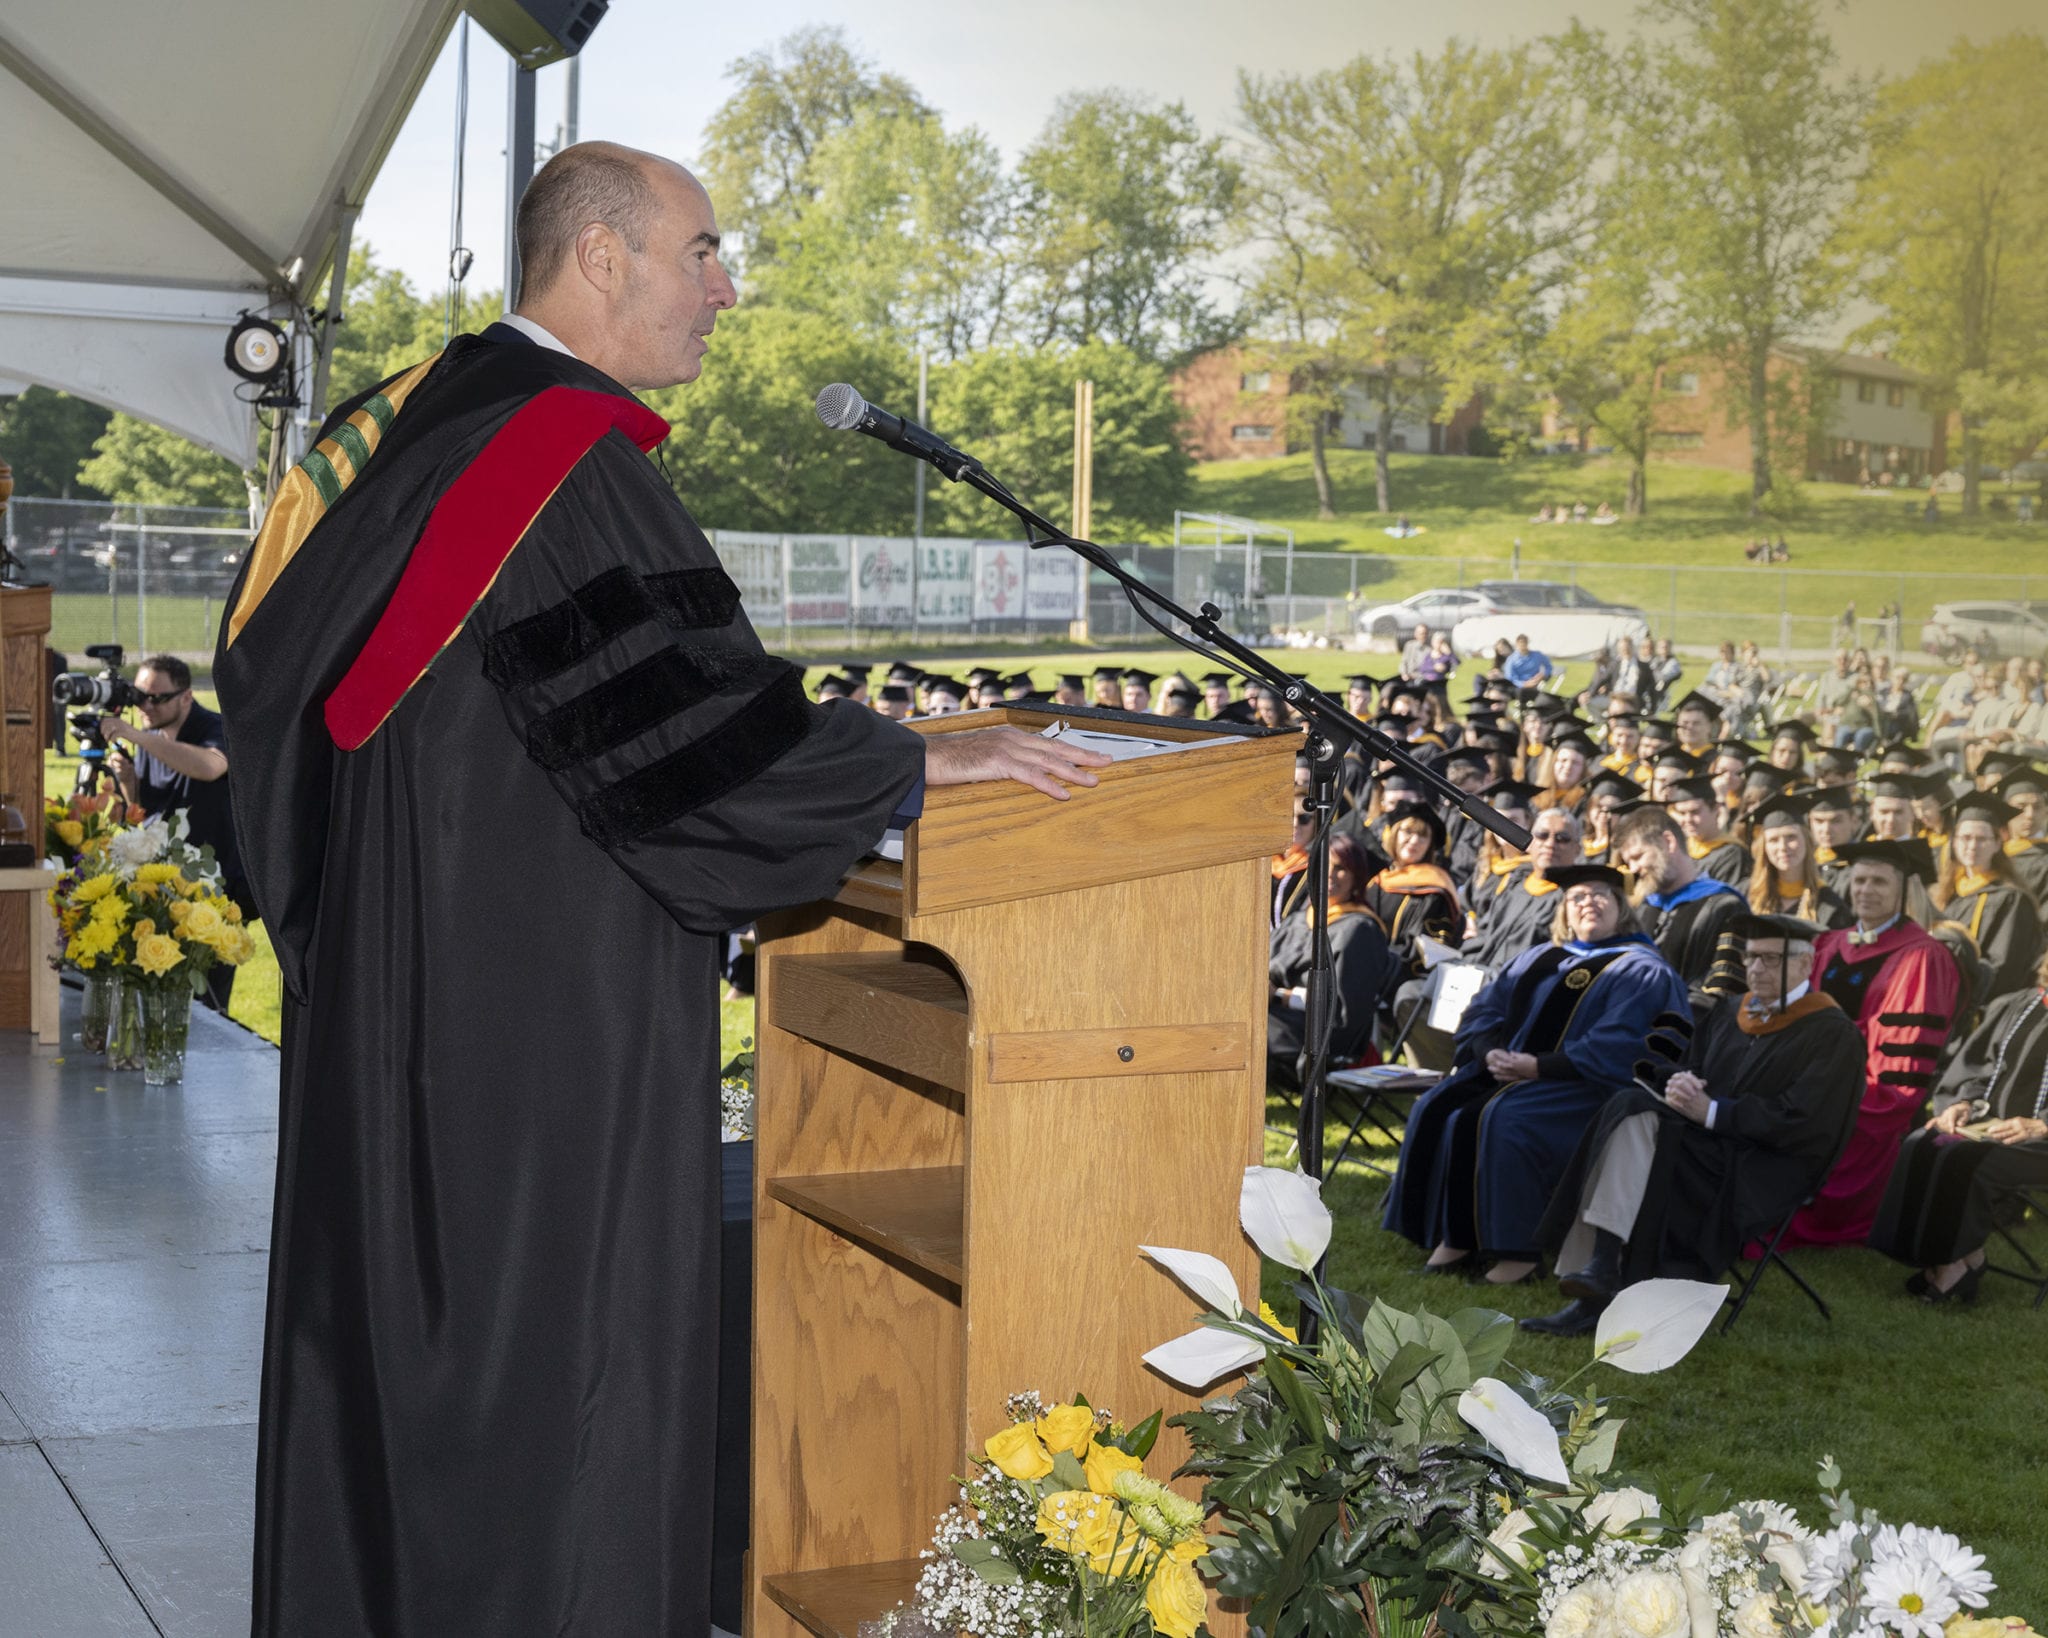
124 1024
94 1008
166 1021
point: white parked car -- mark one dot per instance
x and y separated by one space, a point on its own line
1563 634
1440 608
1997 631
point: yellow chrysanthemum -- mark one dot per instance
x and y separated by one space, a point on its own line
158 872
92 888
113 912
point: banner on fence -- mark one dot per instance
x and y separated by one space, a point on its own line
817 570
755 564
1053 581
884 584
945 583
999 568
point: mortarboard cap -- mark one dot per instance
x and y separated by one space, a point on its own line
1794 728
1138 674
1839 798
1786 808
2026 777
1989 806
1696 701
1619 785
1913 858
1589 875
1789 928
1682 762
1699 788
1511 793
896 693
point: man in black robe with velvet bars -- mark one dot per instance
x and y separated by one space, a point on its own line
516 762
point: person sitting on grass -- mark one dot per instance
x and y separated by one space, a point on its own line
1526 667
1698 1158
1988 1135
1540 1050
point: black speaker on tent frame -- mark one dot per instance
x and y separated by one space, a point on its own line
538 32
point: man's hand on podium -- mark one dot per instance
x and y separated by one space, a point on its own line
976 755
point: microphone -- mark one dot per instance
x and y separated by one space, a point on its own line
844 410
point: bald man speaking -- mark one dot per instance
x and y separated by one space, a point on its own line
517 761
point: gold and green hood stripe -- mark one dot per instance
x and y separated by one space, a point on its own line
314 485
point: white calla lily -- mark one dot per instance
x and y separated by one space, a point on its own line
1206 1277
1204 1354
1515 1428
1653 1324
1283 1212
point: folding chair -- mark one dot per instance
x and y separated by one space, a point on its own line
1746 1288
1370 1091
2037 1277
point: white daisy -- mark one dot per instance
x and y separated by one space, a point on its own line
1831 1561
1962 1568
1908 1596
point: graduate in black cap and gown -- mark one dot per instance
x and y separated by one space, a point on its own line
1979 891
1787 880
2025 788
1540 1050
1689 913
1671 1183
1696 805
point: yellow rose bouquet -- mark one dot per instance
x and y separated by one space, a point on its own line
1059 1532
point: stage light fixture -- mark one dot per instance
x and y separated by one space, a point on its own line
257 350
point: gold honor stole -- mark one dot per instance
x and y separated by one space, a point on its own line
314 485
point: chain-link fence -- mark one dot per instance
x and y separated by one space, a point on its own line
153 579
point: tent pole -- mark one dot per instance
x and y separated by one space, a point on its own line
337 284
518 168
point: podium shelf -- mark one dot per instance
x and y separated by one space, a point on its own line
833 1603
893 1009
917 1214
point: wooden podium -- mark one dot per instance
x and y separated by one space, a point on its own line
986 1075
28 985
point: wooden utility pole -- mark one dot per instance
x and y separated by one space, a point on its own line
1084 457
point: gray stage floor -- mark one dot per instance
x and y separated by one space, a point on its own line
134 1236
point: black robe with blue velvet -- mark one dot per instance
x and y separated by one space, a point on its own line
490 1357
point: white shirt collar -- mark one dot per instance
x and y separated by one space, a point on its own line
535 333
1884 926
1796 994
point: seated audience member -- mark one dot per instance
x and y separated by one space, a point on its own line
1541 1049
1673 1183
1607 793
1899 986
1362 969
1789 741
1564 775
1698 808
1687 912
1290 866
1179 697
1512 799
1980 892
1988 1136
1414 895
2025 789
1787 880
1831 821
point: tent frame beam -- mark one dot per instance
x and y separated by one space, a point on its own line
137 159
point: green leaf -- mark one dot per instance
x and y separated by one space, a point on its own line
1596 1455
1068 1471
1138 1441
984 1558
1486 1335
1294 1394
1312 1524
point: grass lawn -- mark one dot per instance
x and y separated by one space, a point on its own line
1472 512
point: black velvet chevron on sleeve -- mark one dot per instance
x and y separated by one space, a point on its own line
544 644
1913 1020
626 706
768 725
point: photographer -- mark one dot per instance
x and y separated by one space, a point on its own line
177 759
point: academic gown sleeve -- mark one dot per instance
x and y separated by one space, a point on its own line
630 675
1798 1101
1907 1023
1617 1016
1968 1074
1485 1024
2011 941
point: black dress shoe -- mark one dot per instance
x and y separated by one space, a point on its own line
1916 1283
1575 1319
1601 1278
1963 1291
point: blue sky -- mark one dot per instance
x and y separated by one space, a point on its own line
655 69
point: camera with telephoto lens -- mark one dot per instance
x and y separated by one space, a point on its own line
96 694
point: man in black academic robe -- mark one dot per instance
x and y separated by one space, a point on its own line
1690 914
515 762
1673 1183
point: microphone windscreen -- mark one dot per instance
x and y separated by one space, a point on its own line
840 407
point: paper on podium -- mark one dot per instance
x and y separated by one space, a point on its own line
1120 747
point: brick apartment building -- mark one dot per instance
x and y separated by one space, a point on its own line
1879 417
1236 405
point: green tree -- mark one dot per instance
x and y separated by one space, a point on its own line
759 142
46 437
1950 229
903 229
1015 410
1441 197
748 450
140 462
386 327
1123 205
1751 139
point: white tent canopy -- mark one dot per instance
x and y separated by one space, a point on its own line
170 167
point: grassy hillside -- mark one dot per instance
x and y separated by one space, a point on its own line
1846 544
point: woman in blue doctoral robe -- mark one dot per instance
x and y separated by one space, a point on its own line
1539 1051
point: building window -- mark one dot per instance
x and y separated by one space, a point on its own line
1894 394
1398 440
1256 381
1866 390
1368 440
1683 384
1251 434
1678 440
